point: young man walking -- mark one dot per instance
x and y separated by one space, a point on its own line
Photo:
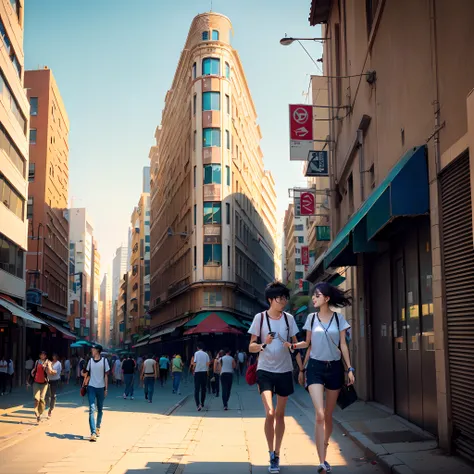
149 375
200 365
97 383
40 373
274 327
128 369
54 380
176 372
228 366
164 368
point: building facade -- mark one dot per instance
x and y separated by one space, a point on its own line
213 217
48 237
14 115
95 291
401 138
105 335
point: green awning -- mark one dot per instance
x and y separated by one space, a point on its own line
336 280
144 338
404 192
301 310
228 318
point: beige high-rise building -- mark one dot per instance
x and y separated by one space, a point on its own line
213 212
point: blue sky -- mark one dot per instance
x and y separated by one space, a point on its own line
114 60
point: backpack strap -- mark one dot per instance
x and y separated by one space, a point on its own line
261 325
287 326
312 321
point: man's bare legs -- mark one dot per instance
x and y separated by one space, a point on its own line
274 421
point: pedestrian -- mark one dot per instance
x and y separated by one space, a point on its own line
228 366
81 365
241 357
40 373
67 370
3 375
164 368
200 366
54 379
28 368
10 373
177 371
97 383
326 333
210 372
217 372
128 369
118 372
149 374
275 366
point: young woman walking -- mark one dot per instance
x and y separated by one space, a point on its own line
326 333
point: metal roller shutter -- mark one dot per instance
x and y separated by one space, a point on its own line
458 259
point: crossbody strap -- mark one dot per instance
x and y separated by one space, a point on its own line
328 336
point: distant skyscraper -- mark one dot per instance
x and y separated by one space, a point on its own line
120 265
146 179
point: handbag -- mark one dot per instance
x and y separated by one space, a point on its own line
347 396
83 391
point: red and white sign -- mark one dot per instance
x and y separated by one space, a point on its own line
301 131
307 204
305 255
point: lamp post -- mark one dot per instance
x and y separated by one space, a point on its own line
286 41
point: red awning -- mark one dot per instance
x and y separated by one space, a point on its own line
211 325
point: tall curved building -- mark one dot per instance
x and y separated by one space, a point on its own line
213 205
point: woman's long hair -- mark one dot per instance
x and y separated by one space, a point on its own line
337 297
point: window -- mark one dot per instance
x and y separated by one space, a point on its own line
212 213
32 136
227 70
215 35
205 35
211 101
6 91
195 214
194 104
350 194
299 275
7 145
194 174
211 137
31 172
227 173
16 7
11 198
297 251
195 256
299 227
212 174
212 254
194 71
301 239
227 139
297 261
227 213
228 255
211 66
212 298
11 257
227 104
9 48
372 176
194 140
33 105
147 239
29 208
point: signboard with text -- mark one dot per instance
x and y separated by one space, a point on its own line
323 233
317 163
305 255
301 131
307 204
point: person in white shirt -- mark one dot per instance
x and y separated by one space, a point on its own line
97 383
275 365
326 333
242 357
149 374
28 368
228 365
67 370
200 365
54 379
3 375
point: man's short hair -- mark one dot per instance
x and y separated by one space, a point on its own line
276 288
200 345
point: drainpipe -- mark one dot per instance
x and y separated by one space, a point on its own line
360 139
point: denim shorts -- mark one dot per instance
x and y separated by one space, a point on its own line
330 374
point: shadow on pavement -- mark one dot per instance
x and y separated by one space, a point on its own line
71 437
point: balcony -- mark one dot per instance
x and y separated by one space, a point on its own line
210 84
212 272
212 192
211 155
211 119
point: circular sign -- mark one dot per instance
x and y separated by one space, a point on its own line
300 115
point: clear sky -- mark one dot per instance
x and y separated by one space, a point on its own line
114 60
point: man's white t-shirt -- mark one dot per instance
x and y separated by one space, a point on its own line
226 362
201 359
67 365
29 364
241 357
149 369
325 347
275 357
57 367
96 372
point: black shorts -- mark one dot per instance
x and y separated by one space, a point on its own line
279 383
330 374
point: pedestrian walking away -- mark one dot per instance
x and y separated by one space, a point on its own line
128 369
117 372
200 365
97 383
326 334
227 365
28 368
54 379
164 368
217 372
3 375
67 370
242 357
275 366
176 372
149 375
40 373
10 373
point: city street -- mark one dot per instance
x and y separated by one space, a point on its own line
138 437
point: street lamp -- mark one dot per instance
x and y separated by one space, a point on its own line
286 41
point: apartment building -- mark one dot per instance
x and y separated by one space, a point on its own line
212 202
401 135
95 291
105 317
14 115
47 261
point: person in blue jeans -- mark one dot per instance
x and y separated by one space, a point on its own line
96 381
149 375
128 369
177 370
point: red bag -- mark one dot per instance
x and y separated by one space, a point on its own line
251 374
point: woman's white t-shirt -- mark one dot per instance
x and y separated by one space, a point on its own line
227 362
97 372
275 357
325 345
